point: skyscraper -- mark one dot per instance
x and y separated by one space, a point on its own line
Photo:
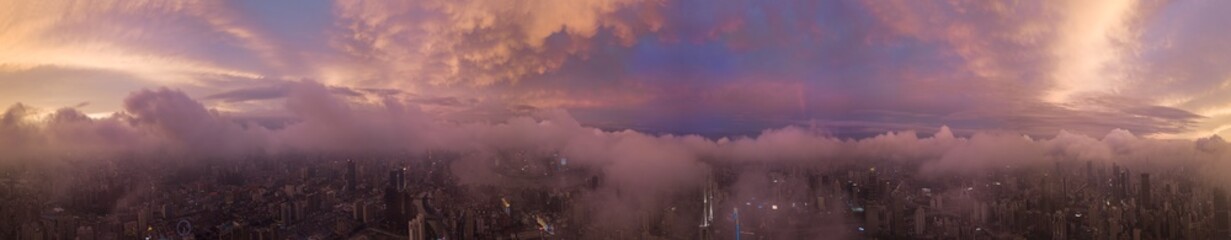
1122 186
395 199
1144 194
920 221
417 228
397 179
1115 181
351 175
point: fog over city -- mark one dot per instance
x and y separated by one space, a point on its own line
167 125
614 119
639 170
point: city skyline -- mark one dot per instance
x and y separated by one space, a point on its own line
614 119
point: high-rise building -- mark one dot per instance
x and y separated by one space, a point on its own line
397 179
1144 194
357 213
1059 228
873 185
920 222
351 178
1115 181
417 229
396 199
707 208
369 212
287 212
1123 185
426 224
468 228
143 218
872 219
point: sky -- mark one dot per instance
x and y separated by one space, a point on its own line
847 68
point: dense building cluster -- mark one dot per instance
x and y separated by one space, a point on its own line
540 196
285 197
1068 202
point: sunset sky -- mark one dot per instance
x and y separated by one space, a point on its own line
1158 69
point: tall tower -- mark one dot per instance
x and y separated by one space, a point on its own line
920 222
1115 181
1144 194
396 199
707 210
1124 184
873 185
351 175
736 215
397 179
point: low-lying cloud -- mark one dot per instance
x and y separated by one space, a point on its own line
639 168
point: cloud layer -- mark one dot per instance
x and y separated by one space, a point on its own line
731 67
640 171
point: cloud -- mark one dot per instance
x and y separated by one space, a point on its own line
716 68
464 42
187 123
33 136
751 65
1175 60
639 171
117 36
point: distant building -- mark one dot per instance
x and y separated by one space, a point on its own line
426 224
351 175
397 208
417 229
920 221
1222 225
1144 193
286 212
